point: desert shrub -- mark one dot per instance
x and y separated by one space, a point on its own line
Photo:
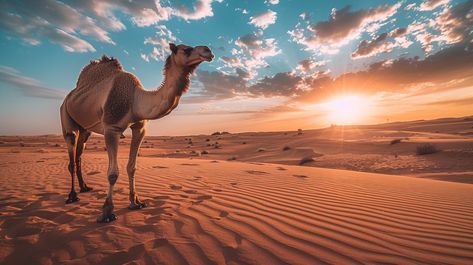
306 160
426 149
261 150
205 152
224 133
216 133
285 148
232 158
243 143
299 131
396 141
207 140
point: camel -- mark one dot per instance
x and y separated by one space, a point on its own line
107 100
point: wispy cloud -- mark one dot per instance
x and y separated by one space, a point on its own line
264 19
67 23
28 86
343 26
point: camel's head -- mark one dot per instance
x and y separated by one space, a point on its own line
189 56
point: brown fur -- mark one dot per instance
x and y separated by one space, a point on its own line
97 71
120 100
184 80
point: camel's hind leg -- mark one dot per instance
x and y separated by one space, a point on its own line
81 140
70 130
71 140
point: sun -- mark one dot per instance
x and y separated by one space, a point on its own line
346 110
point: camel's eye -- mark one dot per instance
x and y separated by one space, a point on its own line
188 51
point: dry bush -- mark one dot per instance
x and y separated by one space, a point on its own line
261 150
306 160
287 147
396 141
426 149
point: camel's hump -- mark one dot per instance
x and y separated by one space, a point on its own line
97 70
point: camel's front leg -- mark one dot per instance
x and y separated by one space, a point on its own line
111 142
138 133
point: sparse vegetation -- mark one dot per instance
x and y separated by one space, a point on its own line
205 152
287 147
299 131
396 141
306 160
216 133
232 158
426 149
261 149
243 143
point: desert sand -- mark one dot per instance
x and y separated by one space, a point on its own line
246 199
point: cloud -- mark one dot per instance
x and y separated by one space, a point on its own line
251 53
383 43
264 19
67 23
34 20
447 69
281 84
202 9
142 13
308 65
160 44
343 26
217 85
450 66
272 2
452 25
27 85
432 4
455 23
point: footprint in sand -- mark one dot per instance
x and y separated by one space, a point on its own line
175 187
204 197
300 176
256 172
223 214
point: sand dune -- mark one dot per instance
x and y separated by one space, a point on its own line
229 212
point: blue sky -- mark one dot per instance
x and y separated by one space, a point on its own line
272 57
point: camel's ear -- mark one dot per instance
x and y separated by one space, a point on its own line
173 47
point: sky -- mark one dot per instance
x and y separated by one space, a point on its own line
279 65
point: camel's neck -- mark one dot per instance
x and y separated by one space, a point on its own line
160 102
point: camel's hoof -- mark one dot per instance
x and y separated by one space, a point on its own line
72 199
85 189
137 206
106 218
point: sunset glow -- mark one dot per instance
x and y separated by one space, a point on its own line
346 110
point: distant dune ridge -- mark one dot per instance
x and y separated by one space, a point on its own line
261 208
